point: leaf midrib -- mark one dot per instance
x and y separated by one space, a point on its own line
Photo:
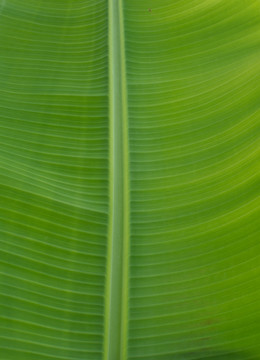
116 295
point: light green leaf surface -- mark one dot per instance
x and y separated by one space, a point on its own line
129 179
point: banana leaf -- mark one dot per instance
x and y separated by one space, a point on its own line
129 179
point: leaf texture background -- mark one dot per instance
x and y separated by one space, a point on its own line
189 75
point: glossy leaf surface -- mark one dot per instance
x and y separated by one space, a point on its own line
129 177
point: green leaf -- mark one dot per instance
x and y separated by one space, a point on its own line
129 180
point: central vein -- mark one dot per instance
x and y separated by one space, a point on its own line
116 301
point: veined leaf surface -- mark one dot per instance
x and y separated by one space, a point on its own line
129 179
